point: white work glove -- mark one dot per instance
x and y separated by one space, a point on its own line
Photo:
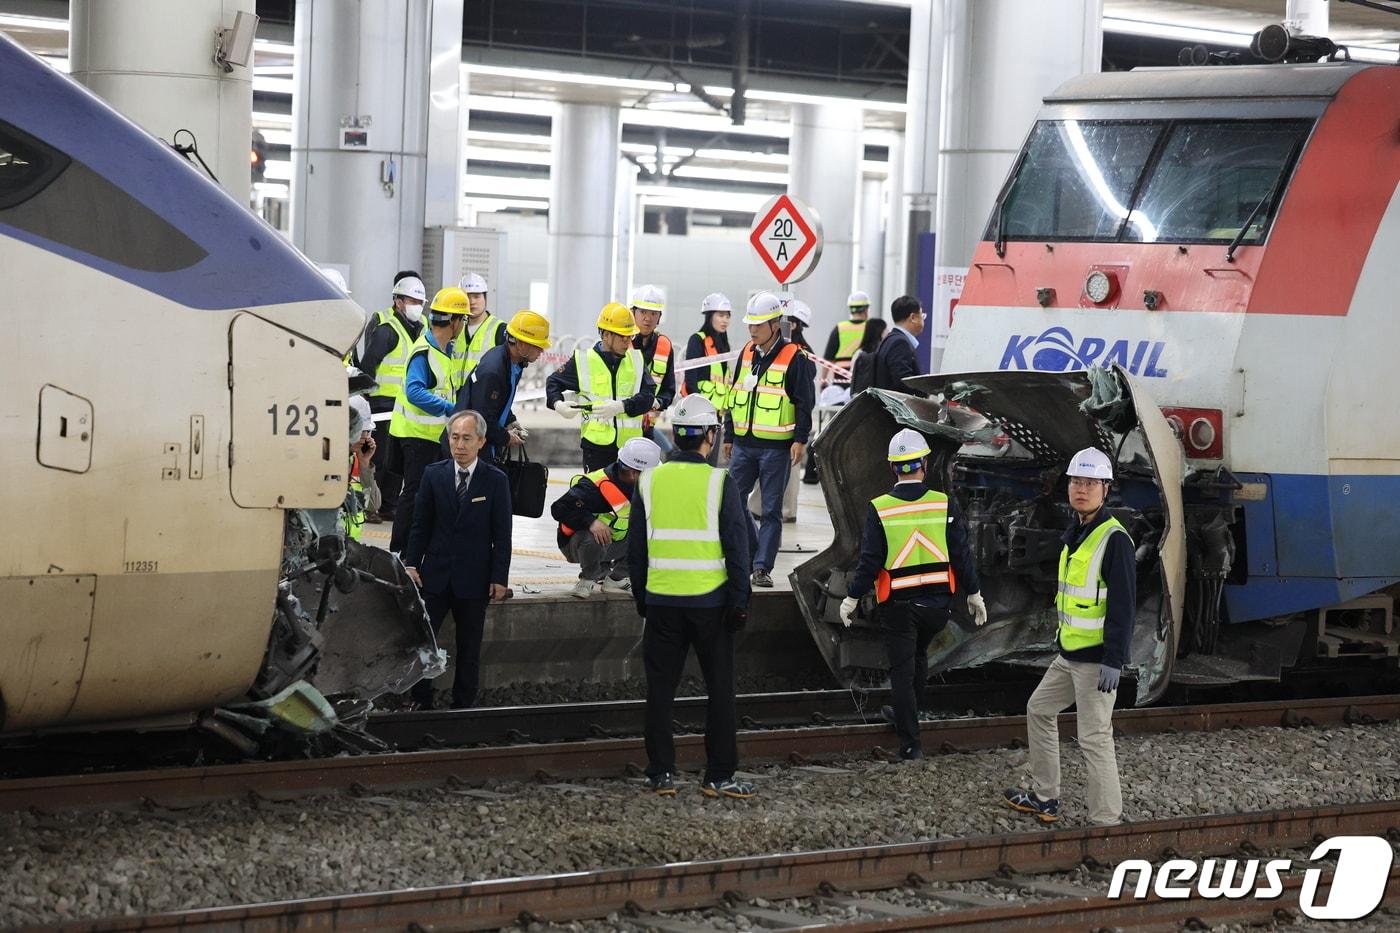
607 410
848 610
978 607
567 409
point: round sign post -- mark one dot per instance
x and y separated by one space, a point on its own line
787 237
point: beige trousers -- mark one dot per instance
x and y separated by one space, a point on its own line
1065 683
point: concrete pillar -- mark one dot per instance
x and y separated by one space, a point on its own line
153 61
585 146
1308 17
896 222
870 272
361 202
1001 58
825 154
446 172
629 225
922 119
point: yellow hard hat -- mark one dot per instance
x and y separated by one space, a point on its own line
451 301
530 327
617 319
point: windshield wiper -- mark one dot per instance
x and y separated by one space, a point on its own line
1000 243
1266 199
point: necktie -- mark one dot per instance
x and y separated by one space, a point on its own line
463 479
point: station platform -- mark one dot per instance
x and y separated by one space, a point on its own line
543 635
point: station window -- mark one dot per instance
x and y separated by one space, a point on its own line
46 193
1149 181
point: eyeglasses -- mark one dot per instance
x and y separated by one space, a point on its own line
1086 482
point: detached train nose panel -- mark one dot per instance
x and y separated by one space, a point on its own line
1001 447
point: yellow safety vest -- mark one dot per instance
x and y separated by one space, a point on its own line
392 368
661 359
1082 600
601 385
765 410
619 506
411 421
916 545
849 334
685 556
715 388
470 352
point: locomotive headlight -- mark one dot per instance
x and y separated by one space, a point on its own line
1098 286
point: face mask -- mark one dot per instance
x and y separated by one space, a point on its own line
412 311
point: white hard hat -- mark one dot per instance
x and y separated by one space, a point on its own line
473 284
360 417
800 310
1091 463
639 454
908 444
649 298
410 286
716 301
764 306
695 411
855 299
335 278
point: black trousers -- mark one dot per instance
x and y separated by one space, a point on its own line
388 481
670 633
596 456
415 454
469 615
909 627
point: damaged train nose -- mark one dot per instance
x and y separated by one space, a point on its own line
1000 442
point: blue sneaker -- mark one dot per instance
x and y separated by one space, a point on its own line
739 790
661 784
1047 811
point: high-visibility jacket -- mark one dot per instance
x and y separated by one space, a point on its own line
392 368
916 546
1082 599
602 384
411 421
620 506
661 358
849 334
716 387
353 519
470 352
685 556
765 410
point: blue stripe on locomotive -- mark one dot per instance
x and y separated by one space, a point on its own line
248 263
1316 541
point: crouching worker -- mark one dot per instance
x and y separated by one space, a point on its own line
593 515
915 551
1095 604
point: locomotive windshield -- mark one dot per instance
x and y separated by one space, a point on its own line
1149 181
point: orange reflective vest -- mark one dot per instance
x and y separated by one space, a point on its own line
619 505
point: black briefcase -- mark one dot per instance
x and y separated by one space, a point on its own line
528 482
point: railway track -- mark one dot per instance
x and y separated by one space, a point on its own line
745 887
176 787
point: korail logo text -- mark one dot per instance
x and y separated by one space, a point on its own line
1056 350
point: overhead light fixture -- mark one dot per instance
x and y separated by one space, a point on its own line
15 21
235 46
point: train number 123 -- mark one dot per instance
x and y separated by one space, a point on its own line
299 421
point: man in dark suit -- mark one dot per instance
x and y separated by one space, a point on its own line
896 360
459 548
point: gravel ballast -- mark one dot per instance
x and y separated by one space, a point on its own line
88 865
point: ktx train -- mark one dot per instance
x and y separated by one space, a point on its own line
1193 269
173 397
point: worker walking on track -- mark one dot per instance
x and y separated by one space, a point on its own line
608 384
1095 604
688 551
490 387
648 304
915 552
420 413
845 338
391 336
593 518
482 331
770 418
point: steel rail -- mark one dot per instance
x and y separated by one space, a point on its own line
691 885
615 757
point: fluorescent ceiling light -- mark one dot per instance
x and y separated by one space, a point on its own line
263 118
524 106
568 77
731 174
50 24
513 156
274 85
